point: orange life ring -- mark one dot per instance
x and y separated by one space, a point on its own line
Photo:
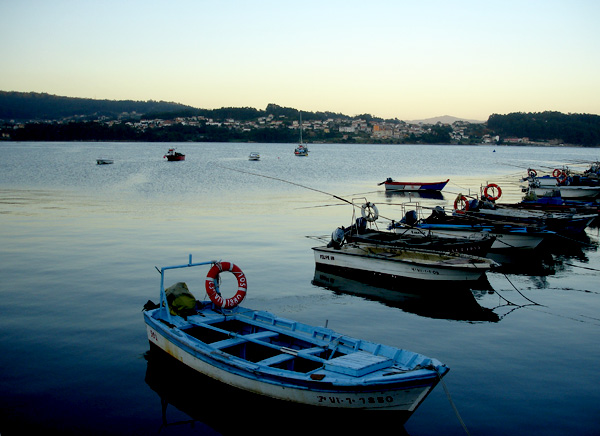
461 200
557 172
211 290
561 177
532 173
493 187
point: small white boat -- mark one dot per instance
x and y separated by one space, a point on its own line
101 161
254 156
402 263
280 358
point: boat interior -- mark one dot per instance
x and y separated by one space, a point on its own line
259 345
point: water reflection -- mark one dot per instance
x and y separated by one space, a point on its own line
421 298
429 195
214 408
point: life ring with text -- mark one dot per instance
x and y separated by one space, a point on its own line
211 290
369 211
461 204
495 192
532 173
557 172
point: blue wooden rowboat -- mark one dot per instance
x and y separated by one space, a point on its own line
392 185
262 353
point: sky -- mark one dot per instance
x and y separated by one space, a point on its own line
389 58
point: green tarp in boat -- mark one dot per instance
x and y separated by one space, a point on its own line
180 299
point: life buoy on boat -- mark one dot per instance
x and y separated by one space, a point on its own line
369 211
561 177
532 173
211 290
461 204
557 172
494 189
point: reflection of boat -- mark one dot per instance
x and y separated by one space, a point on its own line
254 156
430 195
432 302
101 161
390 262
173 155
392 185
259 352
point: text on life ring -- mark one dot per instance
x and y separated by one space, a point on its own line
211 290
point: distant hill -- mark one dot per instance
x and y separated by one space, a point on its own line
444 119
42 106
25 106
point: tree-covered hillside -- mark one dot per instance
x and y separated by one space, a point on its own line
581 129
24 106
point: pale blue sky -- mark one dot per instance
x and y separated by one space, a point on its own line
394 59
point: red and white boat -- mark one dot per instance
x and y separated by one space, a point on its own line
173 155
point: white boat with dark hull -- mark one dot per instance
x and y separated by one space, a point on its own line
568 192
571 186
505 236
280 358
390 262
412 238
254 156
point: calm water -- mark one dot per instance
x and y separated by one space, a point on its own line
79 243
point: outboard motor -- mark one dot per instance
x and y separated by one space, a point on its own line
410 218
337 238
438 214
361 225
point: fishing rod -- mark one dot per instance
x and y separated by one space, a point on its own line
286 181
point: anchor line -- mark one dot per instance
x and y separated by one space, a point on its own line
452 402
531 301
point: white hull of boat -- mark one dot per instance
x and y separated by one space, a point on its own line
411 264
516 239
569 192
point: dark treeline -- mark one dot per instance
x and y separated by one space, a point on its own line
27 106
580 129
40 106
92 131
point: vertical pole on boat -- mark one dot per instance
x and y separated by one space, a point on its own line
164 305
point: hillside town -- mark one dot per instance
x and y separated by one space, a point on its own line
314 130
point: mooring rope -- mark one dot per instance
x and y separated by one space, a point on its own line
511 283
452 402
